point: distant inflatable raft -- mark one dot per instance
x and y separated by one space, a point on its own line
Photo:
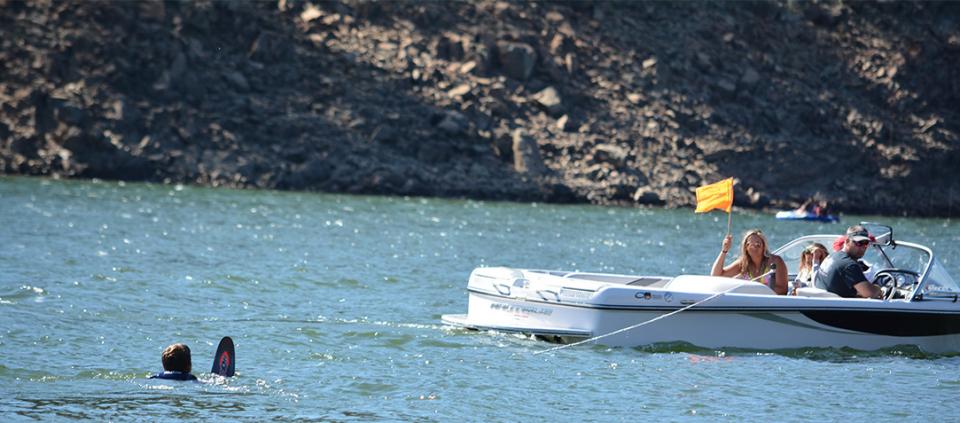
795 215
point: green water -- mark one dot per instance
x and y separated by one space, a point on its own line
334 304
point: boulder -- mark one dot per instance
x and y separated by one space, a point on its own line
502 145
953 42
561 45
459 91
570 63
309 13
449 47
71 114
549 98
725 85
517 60
453 123
566 123
526 154
152 10
610 153
271 47
644 195
750 77
235 78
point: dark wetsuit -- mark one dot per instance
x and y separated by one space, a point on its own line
174 376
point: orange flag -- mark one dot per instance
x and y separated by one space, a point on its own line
715 196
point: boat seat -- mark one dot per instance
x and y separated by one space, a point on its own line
714 284
809 291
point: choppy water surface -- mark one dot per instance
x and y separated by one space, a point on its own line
334 304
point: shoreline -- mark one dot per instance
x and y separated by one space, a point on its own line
588 102
770 212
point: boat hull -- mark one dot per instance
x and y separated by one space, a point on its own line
711 320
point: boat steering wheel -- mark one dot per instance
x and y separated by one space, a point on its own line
892 280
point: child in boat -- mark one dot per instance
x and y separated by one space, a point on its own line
810 260
176 363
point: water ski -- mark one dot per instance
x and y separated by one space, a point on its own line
224 361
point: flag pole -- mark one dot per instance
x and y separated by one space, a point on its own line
730 213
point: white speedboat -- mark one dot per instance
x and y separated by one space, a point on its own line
920 307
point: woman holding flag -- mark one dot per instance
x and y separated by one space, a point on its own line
755 262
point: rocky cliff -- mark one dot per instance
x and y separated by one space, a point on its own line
601 102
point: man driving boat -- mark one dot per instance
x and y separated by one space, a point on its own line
841 274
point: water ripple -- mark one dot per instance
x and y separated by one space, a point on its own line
24 292
334 305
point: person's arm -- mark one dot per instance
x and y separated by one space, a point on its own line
718 269
780 278
854 277
868 290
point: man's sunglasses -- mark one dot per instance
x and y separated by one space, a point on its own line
861 243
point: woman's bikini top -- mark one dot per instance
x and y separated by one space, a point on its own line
750 276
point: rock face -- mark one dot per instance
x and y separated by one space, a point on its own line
609 103
526 155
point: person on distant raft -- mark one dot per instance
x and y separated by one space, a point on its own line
821 209
755 262
812 207
841 272
807 208
176 363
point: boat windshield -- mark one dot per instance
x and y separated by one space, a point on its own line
934 279
939 283
902 256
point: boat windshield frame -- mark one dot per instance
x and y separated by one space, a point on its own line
883 248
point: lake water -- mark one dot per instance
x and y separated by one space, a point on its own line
334 303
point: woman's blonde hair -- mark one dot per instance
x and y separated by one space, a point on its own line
745 265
